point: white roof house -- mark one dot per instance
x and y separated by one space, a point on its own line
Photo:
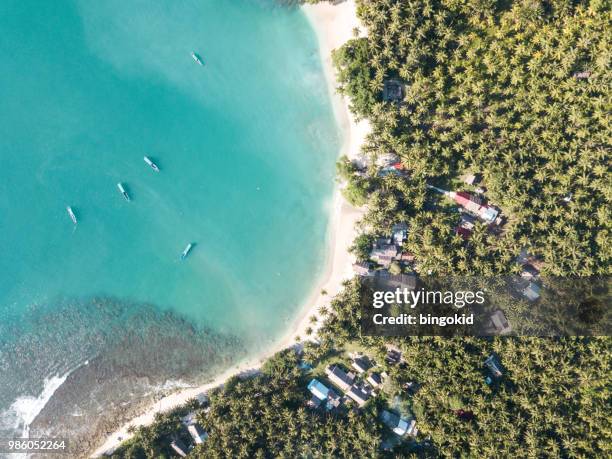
179 448
398 425
197 433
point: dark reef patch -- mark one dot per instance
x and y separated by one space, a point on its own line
121 355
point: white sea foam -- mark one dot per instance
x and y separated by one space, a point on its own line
24 409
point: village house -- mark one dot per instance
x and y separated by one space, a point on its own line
358 394
394 355
398 425
582 75
387 160
390 282
393 90
467 221
384 252
363 269
527 258
406 257
501 324
375 380
529 272
339 377
475 206
463 232
471 179
179 448
361 364
321 393
197 433
532 291
494 366
399 233
471 203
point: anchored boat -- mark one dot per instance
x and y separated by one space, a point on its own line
123 192
196 57
151 163
71 213
186 251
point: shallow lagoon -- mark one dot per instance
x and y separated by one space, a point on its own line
246 145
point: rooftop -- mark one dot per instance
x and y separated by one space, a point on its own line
393 90
358 394
339 377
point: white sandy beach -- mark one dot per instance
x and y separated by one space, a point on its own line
334 25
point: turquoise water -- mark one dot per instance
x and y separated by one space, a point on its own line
246 146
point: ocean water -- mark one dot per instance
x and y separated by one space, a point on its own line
246 145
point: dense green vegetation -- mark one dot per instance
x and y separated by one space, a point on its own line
553 400
263 416
518 92
496 88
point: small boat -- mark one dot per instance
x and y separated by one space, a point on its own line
71 213
151 163
123 192
196 57
186 251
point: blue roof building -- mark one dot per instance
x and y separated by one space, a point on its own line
321 393
318 389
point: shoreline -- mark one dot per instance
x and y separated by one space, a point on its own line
333 25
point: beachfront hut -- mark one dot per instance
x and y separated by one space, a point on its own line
179 448
197 433
387 160
363 269
339 377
